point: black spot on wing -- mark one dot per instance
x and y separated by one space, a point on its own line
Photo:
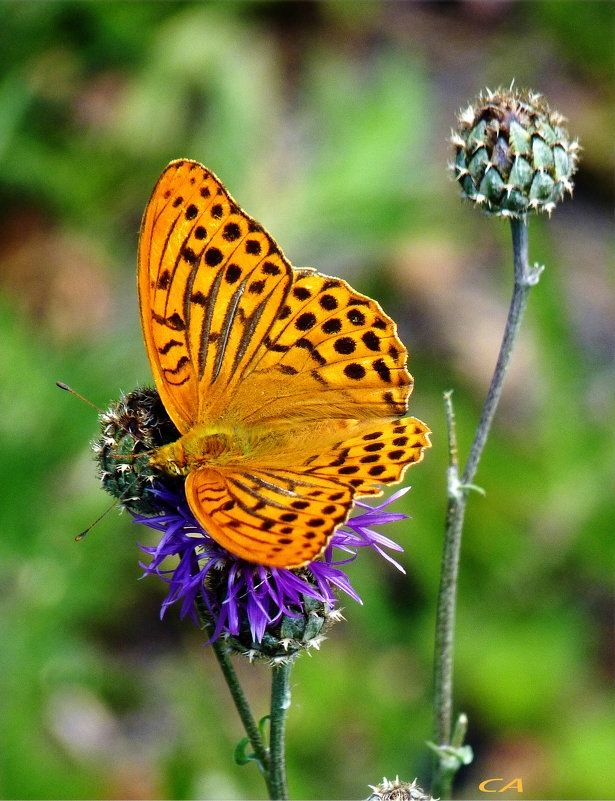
354 371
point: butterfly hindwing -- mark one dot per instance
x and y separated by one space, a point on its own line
276 517
379 455
284 516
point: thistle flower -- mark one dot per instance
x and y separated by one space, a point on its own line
272 613
132 428
262 612
512 153
398 791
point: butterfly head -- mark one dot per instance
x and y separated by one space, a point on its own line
170 458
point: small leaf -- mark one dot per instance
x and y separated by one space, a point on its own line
543 157
476 135
542 187
465 754
451 758
547 133
492 185
516 202
562 163
241 755
477 164
263 724
521 174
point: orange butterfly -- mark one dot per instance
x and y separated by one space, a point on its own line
286 385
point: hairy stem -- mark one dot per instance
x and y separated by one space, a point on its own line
241 702
280 703
458 488
525 278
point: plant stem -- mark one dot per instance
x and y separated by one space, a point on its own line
241 702
525 278
458 488
280 702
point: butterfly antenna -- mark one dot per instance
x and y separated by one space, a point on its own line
79 537
64 386
123 497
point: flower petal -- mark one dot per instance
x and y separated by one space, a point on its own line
254 594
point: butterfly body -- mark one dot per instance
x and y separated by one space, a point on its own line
207 445
287 386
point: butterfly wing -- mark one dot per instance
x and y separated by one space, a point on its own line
211 282
274 517
374 455
220 304
237 337
331 353
285 516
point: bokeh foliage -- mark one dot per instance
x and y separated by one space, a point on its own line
329 122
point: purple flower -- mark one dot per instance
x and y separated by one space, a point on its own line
241 596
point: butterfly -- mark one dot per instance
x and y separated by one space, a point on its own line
288 388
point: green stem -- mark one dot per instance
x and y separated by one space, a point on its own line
280 703
525 278
241 702
457 491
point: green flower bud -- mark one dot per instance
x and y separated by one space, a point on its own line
281 642
132 428
512 155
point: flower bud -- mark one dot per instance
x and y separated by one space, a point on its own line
297 630
398 791
131 429
512 155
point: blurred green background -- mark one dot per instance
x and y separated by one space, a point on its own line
328 122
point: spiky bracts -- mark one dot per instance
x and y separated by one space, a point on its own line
512 153
132 428
398 791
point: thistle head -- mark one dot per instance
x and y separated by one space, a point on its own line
512 153
398 791
131 429
260 612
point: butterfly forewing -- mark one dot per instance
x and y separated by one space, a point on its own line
211 282
241 284
331 353
164 277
